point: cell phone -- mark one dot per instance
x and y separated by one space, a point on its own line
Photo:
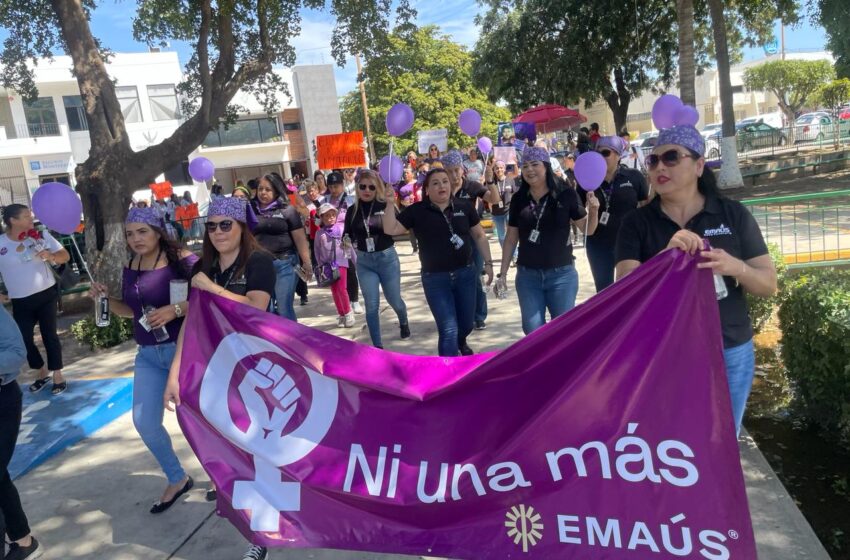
510 167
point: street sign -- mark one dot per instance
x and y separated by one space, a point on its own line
772 47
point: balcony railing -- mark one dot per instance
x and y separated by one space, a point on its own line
37 130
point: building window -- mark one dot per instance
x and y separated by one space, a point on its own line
128 97
74 113
292 126
41 118
247 131
163 99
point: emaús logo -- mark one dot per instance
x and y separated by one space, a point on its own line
524 526
267 382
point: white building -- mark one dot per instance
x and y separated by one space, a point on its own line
46 139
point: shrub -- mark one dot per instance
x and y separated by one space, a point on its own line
761 309
815 322
118 331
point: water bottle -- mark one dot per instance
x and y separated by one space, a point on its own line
160 334
101 311
484 285
720 287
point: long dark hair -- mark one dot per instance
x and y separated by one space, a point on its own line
553 183
209 254
172 249
12 211
707 182
278 186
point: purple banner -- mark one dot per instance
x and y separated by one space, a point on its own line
605 434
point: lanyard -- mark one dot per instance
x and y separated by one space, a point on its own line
367 219
139 277
534 212
229 277
446 218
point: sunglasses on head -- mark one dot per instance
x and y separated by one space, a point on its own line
670 158
225 225
363 187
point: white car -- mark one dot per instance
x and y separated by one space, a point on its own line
711 129
813 127
773 119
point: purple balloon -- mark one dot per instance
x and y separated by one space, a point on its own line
470 122
399 119
58 207
664 111
201 169
390 169
687 115
485 145
590 169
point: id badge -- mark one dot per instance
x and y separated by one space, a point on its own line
143 321
501 204
456 241
534 236
370 245
603 218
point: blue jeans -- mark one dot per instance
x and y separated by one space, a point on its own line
480 296
284 287
740 368
451 298
501 225
600 256
539 289
375 271
151 375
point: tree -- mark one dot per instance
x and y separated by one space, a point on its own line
561 51
237 44
791 81
834 17
433 75
687 62
833 94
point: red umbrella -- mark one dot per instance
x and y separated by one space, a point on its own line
549 118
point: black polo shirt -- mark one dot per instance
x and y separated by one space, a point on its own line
555 211
470 189
258 275
726 224
618 198
274 230
355 225
507 187
429 225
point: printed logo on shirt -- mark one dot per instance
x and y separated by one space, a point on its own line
626 184
722 230
458 214
3 251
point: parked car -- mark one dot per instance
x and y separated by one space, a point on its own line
711 129
773 119
818 127
645 142
749 136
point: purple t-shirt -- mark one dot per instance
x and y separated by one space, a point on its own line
152 288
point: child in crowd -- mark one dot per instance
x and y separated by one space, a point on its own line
331 252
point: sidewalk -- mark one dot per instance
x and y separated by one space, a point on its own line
92 500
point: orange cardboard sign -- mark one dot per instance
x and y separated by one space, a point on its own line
185 214
161 191
338 151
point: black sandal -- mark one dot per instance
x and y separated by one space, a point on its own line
59 388
39 384
160 507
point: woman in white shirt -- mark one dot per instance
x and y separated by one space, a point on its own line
25 260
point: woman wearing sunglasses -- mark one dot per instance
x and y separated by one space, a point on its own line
280 231
433 154
377 261
446 229
156 261
621 192
540 216
688 209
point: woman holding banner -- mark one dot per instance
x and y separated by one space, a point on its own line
539 221
232 266
280 231
146 298
446 229
688 211
377 261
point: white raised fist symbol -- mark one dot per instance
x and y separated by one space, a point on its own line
266 375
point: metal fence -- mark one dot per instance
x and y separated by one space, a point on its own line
762 141
810 229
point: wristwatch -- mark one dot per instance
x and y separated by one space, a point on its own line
178 311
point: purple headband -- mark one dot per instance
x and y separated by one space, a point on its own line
452 158
612 143
149 216
235 208
532 153
683 135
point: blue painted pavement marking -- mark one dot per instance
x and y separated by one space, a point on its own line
52 423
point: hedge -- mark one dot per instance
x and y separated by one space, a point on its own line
118 331
815 322
761 309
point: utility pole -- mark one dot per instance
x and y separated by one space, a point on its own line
782 40
365 109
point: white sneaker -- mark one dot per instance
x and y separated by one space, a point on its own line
349 320
357 308
340 321
256 553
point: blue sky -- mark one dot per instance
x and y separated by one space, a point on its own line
112 23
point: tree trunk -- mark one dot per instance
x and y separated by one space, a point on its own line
730 173
618 100
687 63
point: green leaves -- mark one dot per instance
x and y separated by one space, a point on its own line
834 16
433 75
792 81
833 94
